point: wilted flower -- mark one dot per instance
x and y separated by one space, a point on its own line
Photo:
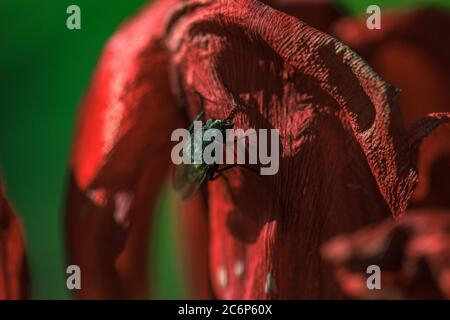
347 160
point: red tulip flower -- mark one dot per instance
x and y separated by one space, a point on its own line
346 160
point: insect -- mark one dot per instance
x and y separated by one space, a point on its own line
187 178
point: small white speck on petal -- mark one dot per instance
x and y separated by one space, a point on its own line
222 278
122 206
270 285
97 196
239 269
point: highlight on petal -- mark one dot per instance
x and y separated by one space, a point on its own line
120 157
413 255
345 161
14 277
411 51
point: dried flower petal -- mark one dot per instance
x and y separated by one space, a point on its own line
193 221
412 51
346 159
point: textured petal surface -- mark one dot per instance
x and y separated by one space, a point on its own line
346 158
319 14
346 161
412 51
193 219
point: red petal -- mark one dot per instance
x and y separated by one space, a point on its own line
14 278
412 52
413 256
346 160
319 14
193 216
120 157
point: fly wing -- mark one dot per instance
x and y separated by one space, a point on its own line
187 178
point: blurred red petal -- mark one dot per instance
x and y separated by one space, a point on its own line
412 52
14 278
346 159
193 225
413 255
120 157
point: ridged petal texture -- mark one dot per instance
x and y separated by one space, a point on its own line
346 158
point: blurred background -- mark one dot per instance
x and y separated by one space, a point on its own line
45 69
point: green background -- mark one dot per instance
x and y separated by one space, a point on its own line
45 68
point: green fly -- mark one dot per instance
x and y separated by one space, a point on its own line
187 178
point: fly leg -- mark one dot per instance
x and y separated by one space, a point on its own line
213 177
221 170
232 113
249 168
197 118
202 109
214 170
